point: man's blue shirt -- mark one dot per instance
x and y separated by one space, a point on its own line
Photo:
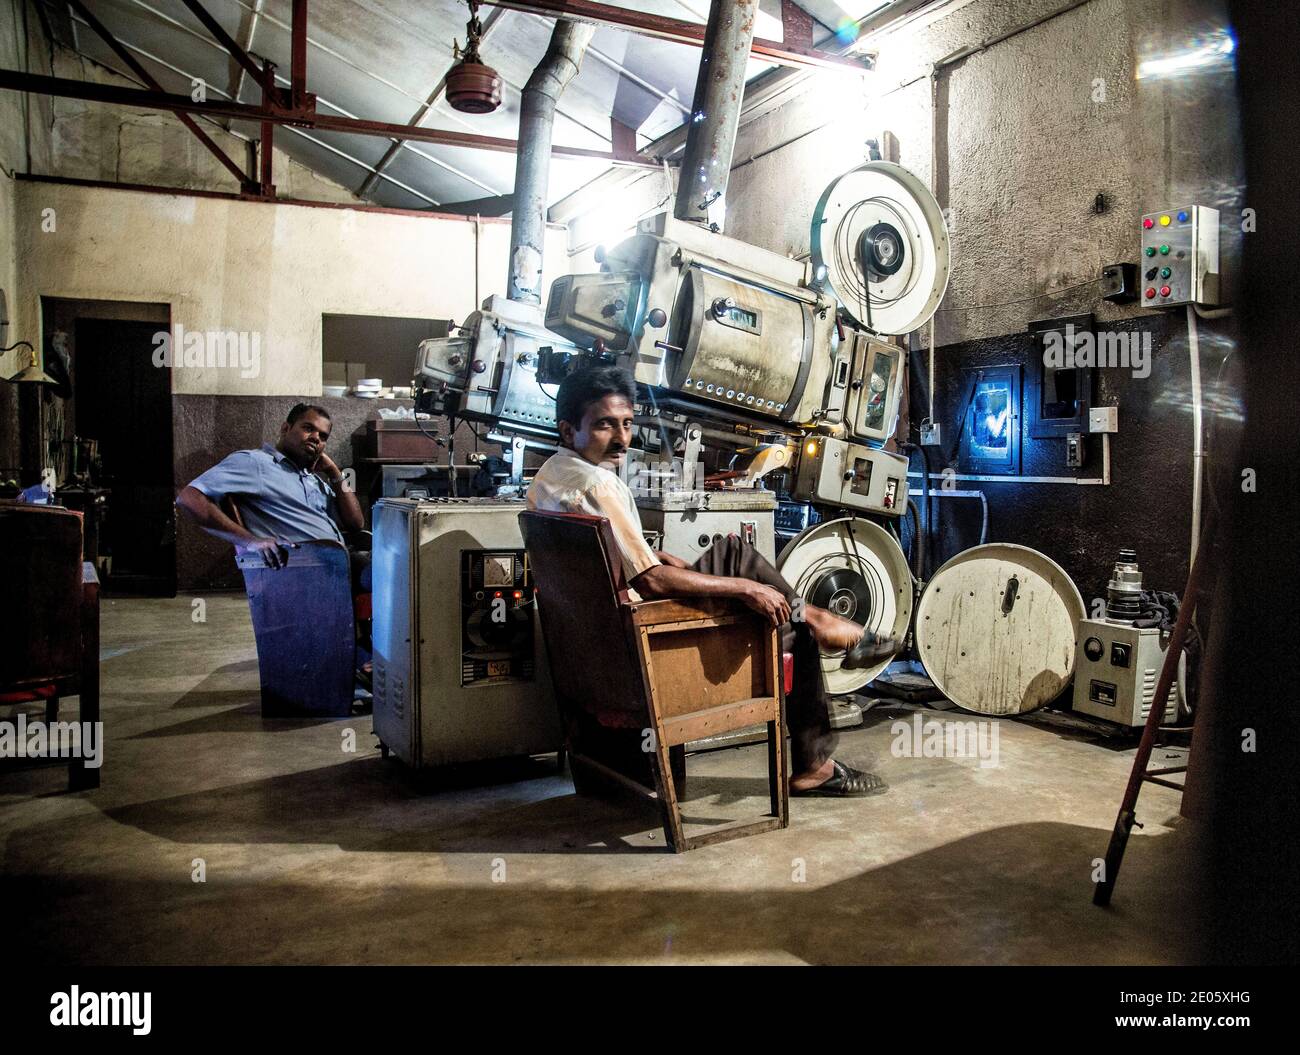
276 499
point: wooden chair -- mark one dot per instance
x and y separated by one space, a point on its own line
49 623
636 682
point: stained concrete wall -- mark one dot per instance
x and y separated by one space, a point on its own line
269 270
1031 130
129 145
24 134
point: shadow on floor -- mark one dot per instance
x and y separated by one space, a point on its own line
518 806
1016 894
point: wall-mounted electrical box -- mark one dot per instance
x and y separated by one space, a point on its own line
1103 419
990 429
851 475
1058 392
1119 283
1180 256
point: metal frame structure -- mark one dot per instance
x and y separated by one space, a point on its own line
291 105
795 50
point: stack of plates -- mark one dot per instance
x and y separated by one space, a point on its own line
368 387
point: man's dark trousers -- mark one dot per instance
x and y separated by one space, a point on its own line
806 706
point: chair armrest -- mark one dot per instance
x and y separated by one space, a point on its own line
688 609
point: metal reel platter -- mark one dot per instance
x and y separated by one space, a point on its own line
854 568
880 244
996 629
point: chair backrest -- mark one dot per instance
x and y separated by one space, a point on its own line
40 620
581 597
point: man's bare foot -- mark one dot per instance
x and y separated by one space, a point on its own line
832 632
813 777
836 780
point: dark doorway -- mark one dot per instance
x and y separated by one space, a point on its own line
124 401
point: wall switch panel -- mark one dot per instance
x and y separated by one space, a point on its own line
1180 257
1103 419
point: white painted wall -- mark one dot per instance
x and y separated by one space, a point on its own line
270 270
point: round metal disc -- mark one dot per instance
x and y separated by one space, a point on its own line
881 197
854 568
996 629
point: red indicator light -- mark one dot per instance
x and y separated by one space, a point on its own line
497 593
1151 292
1148 223
518 594
1164 291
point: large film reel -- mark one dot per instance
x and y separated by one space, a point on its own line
879 242
854 568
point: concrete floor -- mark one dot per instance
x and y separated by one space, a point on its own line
317 855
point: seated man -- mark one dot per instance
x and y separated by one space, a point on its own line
288 494
594 411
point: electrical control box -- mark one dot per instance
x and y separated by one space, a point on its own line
1180 257
459 668
689 522
1119 283
1116 669
851 475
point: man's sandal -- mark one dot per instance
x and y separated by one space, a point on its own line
845 782
870 650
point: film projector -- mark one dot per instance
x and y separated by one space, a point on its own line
793 364
789 373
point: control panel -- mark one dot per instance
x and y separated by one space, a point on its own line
497 622
1180 257
835 472
1116 670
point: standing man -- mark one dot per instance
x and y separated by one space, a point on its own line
290 493
291 496
594 412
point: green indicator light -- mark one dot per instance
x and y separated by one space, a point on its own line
1164 250
1150 250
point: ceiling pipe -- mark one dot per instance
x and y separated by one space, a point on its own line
715 113
559 65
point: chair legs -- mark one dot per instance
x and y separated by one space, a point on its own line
608 760
666 786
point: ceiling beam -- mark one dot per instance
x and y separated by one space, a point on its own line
245 179
783 53
67 88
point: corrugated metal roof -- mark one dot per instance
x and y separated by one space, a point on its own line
382 60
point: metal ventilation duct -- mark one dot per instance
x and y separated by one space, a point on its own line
533 162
